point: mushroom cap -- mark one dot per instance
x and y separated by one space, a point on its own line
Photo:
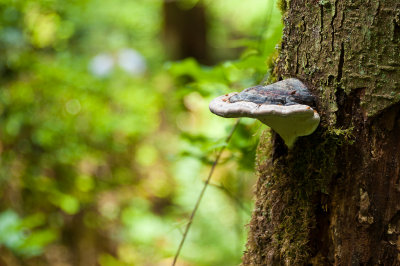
285 92
289 121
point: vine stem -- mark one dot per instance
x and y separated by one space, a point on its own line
196 206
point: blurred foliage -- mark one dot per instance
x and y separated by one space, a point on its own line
103 168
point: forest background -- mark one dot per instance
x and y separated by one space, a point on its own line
105 134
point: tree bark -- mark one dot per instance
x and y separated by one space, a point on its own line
334 198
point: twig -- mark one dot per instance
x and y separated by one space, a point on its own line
202 192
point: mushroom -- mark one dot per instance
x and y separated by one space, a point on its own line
284 106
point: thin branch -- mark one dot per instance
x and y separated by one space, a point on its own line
202 192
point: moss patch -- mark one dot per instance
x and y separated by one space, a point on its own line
286 220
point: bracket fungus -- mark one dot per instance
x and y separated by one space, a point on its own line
284 106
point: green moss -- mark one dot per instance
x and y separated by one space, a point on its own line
342 136
324 2
328 102
271 63
301 176
283 6
300 26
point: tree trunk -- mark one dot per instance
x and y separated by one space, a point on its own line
334 198
185 31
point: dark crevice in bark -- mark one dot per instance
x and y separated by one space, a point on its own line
342 20
396 31
348 107
333 27
378 4
331 79
394 220
341 63
319 237
280 149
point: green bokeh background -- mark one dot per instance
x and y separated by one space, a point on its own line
105 170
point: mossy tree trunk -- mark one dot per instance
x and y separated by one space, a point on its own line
334 198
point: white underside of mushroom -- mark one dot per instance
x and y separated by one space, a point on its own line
289 122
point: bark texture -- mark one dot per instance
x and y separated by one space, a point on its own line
334 199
